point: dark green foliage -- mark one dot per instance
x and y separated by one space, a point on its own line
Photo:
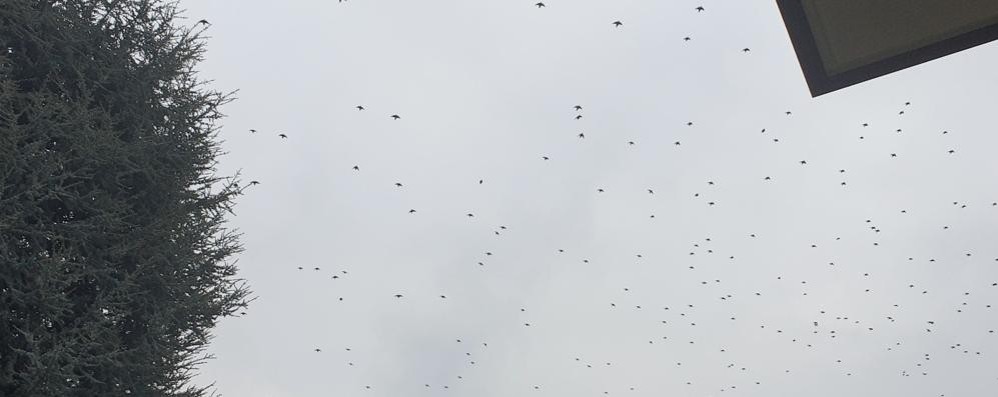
113 250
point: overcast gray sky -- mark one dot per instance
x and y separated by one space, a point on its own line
484 89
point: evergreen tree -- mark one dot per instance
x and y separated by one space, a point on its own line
115 261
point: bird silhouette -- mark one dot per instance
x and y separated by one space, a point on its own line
539 5
283 136
395 116
618 24
360 107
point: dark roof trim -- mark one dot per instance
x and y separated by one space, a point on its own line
821 82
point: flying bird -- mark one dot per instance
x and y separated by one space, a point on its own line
539 5
360 107
283 136
618 24
396 117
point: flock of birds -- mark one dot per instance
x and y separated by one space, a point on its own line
820 331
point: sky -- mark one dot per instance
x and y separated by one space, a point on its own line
712 263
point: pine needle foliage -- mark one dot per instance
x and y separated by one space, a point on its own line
115 258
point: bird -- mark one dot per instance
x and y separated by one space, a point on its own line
578 108
254 182
398 295
539 5
356 168
545 158
204 22
700 9
252 131
581 135
411 211
687 38
395 116
577 117
746 49
618 24
397 184
283 136
359 108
